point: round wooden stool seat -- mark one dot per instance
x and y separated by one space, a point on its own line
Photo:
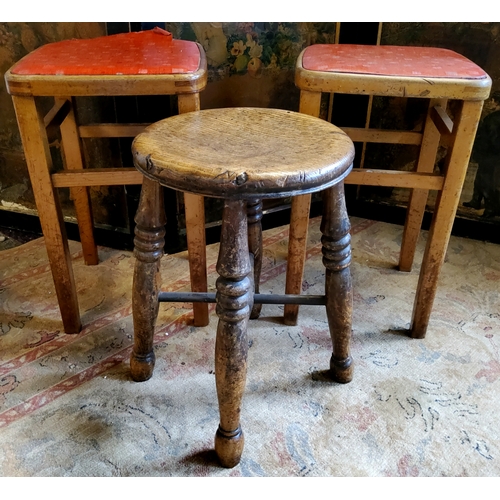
244 153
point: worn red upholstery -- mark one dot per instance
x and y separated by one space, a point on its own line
152 52
390 60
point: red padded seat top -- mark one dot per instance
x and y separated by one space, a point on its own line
152 52
390 60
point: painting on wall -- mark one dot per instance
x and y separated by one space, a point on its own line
252 64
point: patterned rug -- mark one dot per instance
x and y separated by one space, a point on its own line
68 406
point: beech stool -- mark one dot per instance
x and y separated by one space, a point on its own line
142 63
241 155
437 75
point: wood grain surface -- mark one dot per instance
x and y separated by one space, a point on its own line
244 153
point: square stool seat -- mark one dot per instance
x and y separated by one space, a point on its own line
143 52
434 74
130 64
392 71
152 57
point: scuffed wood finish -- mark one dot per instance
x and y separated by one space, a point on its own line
39 161
148 250
79 194
336 249
310 103
274 153
234 302
418 197
194 207
457 160
254 217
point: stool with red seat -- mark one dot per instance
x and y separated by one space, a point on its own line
142 63
437 75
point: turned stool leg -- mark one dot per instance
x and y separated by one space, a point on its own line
254 217
336 241
234 301
148 250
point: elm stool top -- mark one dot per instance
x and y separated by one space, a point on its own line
244 153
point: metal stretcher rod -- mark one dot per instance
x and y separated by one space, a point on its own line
259 298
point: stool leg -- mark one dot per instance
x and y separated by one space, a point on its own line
336 241
234 302
310 103
148 250
38 159
194 206
195 230
457 161
297 246
418 197
254 217
79 195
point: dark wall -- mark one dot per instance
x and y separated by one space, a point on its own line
250 64
17 40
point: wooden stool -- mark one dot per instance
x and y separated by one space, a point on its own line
437 75
241 155
143 63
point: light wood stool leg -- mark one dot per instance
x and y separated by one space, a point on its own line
254 217
195 230
79 195
196 243
310 103
336 241
234 301
148 250
39 161
418 197
457 161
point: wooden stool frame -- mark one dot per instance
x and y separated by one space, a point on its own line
457 134
35 128
206 154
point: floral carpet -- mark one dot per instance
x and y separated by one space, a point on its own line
68 406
